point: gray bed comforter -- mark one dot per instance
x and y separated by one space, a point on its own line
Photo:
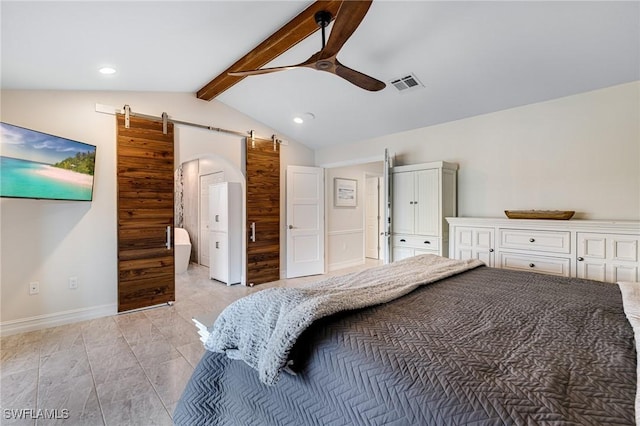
486 347
262 328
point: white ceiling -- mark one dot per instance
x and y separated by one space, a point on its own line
472 57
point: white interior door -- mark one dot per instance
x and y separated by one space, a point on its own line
371 218
205 181
305 221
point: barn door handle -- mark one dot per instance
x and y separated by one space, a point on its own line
253 232
168 238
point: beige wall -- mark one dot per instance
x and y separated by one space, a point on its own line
577 153
345 226
580 153
49 241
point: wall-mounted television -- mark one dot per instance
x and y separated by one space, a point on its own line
38 165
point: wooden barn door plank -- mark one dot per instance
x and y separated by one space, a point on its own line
263 211
146 274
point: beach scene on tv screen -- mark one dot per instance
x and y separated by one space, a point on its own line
39 165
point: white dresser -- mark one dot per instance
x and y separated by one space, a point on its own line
423 194
593 249
225 236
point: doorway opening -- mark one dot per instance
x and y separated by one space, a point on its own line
192 181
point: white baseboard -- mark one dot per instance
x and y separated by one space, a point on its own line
40 322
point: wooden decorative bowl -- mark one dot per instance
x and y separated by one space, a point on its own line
540 214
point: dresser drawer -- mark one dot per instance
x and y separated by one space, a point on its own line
415 241
546 265
546 241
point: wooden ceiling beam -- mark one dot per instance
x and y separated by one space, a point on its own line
296 30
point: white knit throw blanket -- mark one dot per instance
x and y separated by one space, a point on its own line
261 328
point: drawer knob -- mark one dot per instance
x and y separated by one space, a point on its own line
427 242
580 259
531 265
531 240
403 240
490 250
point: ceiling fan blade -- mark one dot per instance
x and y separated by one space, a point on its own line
350 14
359 79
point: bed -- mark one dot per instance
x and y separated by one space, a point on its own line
485 347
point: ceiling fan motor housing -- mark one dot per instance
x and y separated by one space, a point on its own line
323 18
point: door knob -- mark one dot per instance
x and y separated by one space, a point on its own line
290 226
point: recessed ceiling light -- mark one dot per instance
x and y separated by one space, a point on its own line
301 118
107 70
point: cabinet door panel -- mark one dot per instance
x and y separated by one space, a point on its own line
218 207
474 243
623 273
403 207
486 256
624 249
592 270
464 237
464 253
427 198
219 269
483 238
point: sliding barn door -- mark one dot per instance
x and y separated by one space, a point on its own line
263 211
146 275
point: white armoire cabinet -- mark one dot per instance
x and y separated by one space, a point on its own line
423 195
225 235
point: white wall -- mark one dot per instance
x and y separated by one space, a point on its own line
577 153
49 241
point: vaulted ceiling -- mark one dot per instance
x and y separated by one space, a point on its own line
471 58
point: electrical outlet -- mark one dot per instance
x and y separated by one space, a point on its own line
34 288
73 283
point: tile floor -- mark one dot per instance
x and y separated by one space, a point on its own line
127 369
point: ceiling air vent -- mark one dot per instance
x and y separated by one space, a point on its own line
408 83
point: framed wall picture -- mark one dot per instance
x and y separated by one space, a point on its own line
345 192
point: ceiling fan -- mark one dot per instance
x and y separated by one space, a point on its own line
350 14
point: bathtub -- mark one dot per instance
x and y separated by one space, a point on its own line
182 250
